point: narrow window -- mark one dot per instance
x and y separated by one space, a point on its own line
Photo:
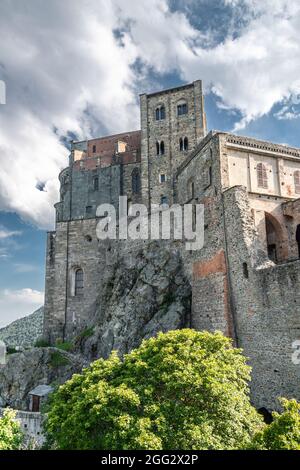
185 144
157 114
162 178
96 183
162 148
88 210
297 181
157 148
245 271
162 112
262 177
191 189
79 282
181 144
136 181
94 148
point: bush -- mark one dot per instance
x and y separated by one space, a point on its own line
284 432
181 390
11 436
57 359
41 343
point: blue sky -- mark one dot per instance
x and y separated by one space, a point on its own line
75 68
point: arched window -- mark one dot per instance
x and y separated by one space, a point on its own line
181 144
191 189
162 148
136 181
185 144
182 107
160 113
262 177
79 282
297 181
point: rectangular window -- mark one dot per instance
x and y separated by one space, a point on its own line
181 109
162 178
96 183
88 210
94 148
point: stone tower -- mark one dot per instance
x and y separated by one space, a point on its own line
173 122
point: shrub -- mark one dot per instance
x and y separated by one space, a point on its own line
181 390
11 436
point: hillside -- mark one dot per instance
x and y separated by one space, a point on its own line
25 331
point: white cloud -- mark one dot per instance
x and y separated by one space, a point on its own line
18 303
66 71
5 233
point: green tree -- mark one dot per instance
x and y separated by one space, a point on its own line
284 432
181 390
11 436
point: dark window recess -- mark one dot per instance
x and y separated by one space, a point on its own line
88 210
162 178
136 181
182 109
157 148
94 148
185 144
79 282
96 183
162 148
245 270
164 200
181 144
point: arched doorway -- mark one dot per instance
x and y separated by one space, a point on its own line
274 237
298 239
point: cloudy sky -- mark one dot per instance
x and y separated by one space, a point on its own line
74 69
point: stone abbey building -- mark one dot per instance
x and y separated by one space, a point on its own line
245 280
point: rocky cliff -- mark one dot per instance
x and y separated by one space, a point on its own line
24 371
24 332
145 292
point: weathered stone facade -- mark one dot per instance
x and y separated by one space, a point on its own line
244 281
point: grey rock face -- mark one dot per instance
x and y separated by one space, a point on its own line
24 332
143 295
24 371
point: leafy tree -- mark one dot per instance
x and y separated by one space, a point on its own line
11 436
181 390
284 432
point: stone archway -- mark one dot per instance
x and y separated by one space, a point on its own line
275 239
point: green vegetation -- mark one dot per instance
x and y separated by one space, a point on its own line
181 390
284 432
11 436
57 359
64 345
11 350
86 333
41 343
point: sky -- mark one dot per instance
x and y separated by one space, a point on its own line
75 68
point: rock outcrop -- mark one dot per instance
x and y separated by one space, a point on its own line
24 371
24 332
146 292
